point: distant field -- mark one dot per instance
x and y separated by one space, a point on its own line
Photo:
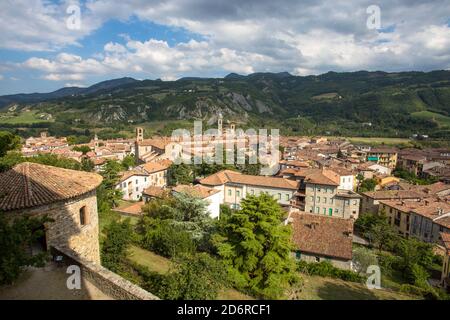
23 117
379 140
442 121
325 96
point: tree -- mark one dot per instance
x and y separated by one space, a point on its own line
107 194
414 256
13 158
368 185
15 237
87 165
180 174
114 246
359 178
382 234
363 258
197 277
183 211
129 162
256 247
8 141
367 221
166 239
83 149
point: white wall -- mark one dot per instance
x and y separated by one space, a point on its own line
381 169
346 182
214 203
137 186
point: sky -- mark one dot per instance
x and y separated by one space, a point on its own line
46 45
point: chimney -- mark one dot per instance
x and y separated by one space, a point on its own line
439 211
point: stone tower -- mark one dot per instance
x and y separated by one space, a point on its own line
232 128
219 123
96 142
139 134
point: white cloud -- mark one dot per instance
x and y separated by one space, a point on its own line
2 77
75 84
37 25
306 37
65 67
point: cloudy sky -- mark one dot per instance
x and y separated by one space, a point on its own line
45 45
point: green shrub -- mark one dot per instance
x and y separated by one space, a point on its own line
411 289
168 240
326 269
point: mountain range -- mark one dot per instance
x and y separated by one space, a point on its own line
337 103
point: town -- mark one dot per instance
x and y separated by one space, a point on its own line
215 159
329 191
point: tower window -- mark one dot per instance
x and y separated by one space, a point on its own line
83 216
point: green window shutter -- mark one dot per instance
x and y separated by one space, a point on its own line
330 212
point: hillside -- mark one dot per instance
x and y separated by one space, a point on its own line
362 103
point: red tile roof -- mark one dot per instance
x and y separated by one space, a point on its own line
393 194
225 176
197 190
322 235
446 239
152 167
156 192
131 209
32 184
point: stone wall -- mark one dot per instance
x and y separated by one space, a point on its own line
105 280
66 231
338 263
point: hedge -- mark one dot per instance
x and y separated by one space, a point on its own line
326 269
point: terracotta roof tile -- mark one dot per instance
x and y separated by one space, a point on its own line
197 190
152 167
322 235
225 176
126 174
31 184
131 209
393 194
432 209
446 239
155 142
154 191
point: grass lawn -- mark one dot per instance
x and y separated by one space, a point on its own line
161 265
321 288
379 140
23 117
149 259
105 219
442 121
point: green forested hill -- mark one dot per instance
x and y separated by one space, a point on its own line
355 103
